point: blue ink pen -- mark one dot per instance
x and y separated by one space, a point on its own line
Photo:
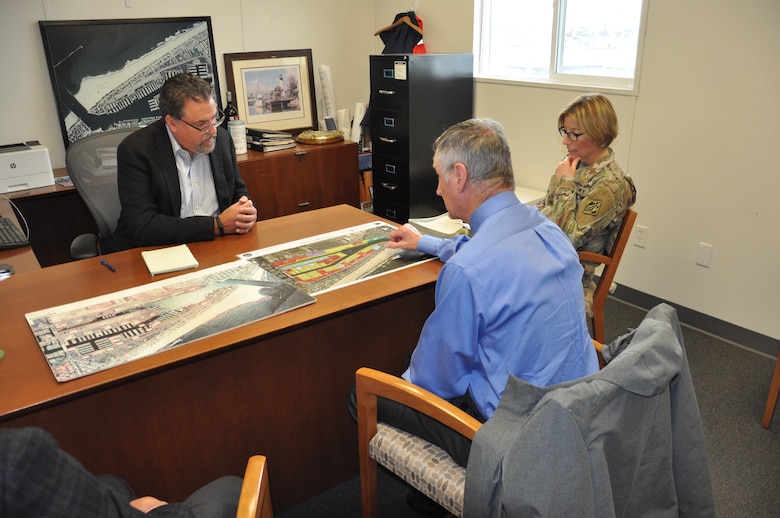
107 265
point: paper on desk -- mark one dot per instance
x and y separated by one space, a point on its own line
439 226
171 259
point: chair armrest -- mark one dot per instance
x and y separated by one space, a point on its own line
255 499
598 346
84 246
371 384
593 257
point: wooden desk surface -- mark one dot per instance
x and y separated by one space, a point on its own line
168 422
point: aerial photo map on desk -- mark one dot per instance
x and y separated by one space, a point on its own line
328 261
92 335
99 333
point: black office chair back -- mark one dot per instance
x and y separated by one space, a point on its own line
91 163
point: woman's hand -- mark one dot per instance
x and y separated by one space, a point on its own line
567 167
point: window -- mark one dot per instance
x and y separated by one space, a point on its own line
591 43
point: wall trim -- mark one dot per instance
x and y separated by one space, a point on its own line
739 336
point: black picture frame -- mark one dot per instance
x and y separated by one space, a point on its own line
251 75
107 74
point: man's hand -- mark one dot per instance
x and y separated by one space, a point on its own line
239 217
147 503
405 237
567 167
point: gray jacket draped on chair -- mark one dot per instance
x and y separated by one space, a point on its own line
626 441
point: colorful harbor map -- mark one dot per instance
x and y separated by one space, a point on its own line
336 259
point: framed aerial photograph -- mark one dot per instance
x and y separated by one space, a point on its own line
273 90
107 74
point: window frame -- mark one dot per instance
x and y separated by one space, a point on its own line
606 84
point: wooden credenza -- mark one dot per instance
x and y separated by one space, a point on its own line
280 183
305 178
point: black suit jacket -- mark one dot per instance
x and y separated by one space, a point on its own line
150 195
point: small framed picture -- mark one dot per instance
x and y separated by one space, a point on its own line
273 90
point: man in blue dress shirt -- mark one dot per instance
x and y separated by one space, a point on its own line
508 299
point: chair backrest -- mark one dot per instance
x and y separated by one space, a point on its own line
255 499
92 166
610 263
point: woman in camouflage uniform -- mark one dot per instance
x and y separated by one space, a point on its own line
589 193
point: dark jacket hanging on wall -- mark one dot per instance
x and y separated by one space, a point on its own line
401 38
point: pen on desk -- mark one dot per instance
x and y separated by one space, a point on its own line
107 265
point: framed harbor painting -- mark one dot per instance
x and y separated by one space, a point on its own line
107 74
273 90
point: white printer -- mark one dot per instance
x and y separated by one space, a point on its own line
24 166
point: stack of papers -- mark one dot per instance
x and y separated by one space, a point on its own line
171 259
273 145
263 140
440 226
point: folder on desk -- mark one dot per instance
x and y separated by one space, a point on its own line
171 259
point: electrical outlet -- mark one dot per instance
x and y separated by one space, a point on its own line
704 255
640 237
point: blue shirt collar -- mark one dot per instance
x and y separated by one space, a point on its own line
490 206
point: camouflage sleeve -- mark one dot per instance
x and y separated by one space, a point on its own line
583 221
547 201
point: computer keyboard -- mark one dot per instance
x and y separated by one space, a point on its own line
10 236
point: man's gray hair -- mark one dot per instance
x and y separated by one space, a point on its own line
481 145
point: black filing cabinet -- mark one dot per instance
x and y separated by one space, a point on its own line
414 98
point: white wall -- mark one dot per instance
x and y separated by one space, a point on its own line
700 139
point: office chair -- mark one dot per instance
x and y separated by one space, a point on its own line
610 263
774 390
91 164
255 499
424 466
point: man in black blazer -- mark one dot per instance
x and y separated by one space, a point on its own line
178 178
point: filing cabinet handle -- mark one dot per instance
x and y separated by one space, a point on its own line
389 186
388 140
387 92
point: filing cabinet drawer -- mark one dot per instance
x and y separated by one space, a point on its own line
389 84
391 180
389 132
392 211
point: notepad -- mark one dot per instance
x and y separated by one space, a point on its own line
171 259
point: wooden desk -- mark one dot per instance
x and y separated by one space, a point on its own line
176 420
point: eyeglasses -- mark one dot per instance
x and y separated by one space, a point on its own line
204 129
572 136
